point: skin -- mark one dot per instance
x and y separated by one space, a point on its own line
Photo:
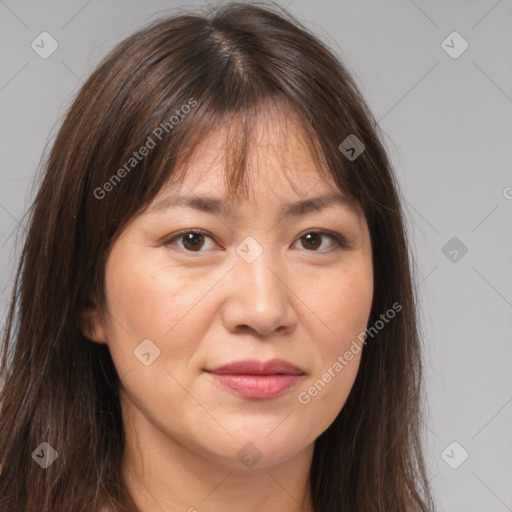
208 307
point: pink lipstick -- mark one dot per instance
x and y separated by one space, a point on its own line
256 379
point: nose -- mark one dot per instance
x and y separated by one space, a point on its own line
259 298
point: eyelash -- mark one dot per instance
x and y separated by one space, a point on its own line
339 242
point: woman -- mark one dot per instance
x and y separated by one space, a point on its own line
214 306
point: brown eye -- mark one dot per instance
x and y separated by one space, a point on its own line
313 240
192 240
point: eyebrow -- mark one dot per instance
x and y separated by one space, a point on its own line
222 207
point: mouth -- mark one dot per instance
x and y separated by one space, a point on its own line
256 379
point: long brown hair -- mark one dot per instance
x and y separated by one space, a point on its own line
165 87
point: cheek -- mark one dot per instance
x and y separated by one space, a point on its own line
148 299
344 304
325 394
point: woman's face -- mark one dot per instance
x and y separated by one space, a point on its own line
256 283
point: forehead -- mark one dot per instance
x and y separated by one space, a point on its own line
277 156
287 175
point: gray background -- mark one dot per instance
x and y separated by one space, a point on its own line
448 128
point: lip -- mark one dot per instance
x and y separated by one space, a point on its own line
257 379
255 367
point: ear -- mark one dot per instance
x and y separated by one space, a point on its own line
92 325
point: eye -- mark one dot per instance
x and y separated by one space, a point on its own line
194 240
314 239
